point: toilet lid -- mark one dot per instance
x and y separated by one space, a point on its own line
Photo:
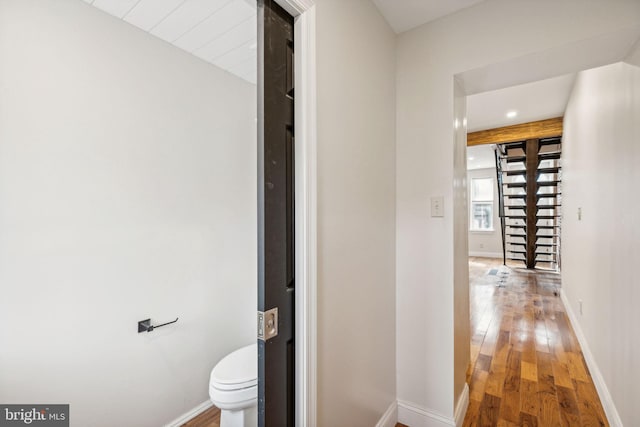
237 370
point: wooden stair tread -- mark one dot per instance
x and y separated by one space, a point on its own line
550 141
549 156
513 145
515 159
554 169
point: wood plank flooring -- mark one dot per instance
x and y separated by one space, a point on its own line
209 418
527 367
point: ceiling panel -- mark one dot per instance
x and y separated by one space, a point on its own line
186 17
222 32
148 13
215 25
235 37
117 8
248 71
244 68
236 56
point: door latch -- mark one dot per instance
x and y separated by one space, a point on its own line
267 324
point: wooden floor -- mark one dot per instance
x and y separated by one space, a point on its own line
209 418
527 367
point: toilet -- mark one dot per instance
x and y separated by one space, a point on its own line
233 387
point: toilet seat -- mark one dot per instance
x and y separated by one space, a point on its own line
234 380
233 386
234 399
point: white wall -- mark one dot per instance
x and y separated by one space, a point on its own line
127 191
356 213
601 175
462 333
486 243
428 58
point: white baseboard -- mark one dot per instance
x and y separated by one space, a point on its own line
415 416
390 417
486 254
190 415
603 392
462 406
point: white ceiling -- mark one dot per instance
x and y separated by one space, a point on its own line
540 100
480 157
407 14
222 32
567 58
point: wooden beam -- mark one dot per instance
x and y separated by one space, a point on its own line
522 132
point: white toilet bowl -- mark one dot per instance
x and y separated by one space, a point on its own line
234 388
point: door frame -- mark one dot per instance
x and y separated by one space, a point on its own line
303 12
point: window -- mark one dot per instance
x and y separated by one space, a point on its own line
481 204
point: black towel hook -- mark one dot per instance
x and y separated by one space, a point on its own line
146 326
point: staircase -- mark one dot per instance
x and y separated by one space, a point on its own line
530 196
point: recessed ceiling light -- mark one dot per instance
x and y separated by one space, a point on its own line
511 114
471 158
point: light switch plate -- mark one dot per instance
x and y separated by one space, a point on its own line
437 206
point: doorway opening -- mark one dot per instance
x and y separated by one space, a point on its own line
530 358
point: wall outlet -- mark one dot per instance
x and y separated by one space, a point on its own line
481 245
579 214
580 306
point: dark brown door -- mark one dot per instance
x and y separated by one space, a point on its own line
276 261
